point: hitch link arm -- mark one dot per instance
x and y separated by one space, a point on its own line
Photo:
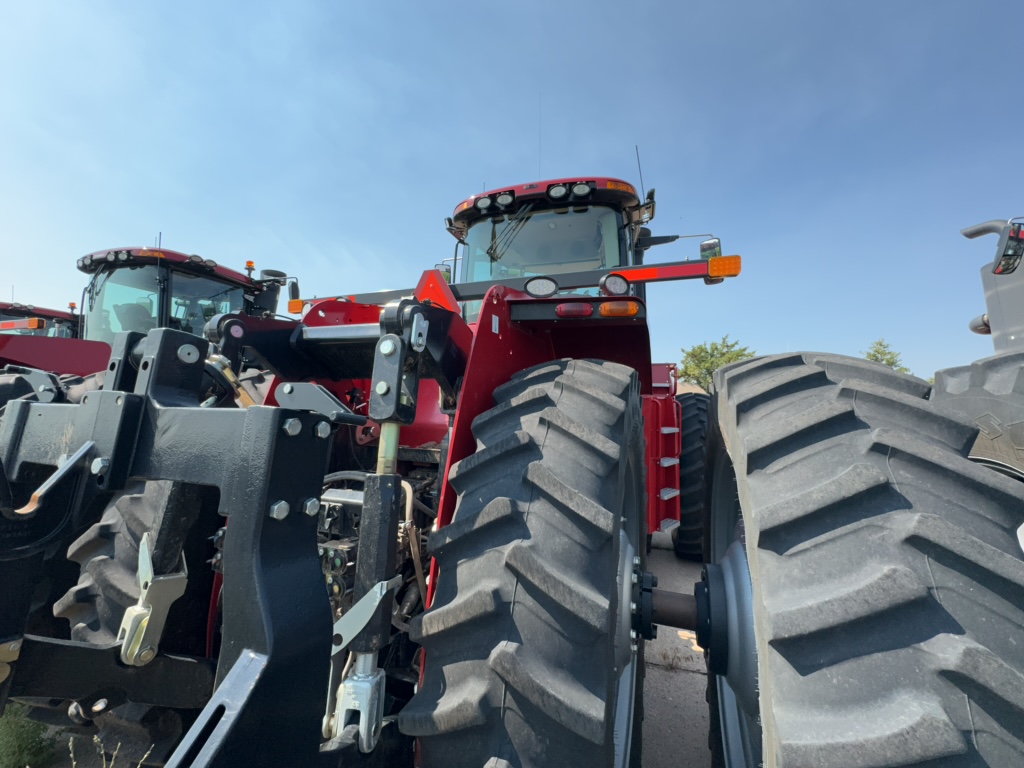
362 691
143 623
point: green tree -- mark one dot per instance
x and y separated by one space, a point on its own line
702 360
23 741
881 352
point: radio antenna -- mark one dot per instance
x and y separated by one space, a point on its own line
643 194
540 129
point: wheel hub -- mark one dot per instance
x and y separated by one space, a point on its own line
725 624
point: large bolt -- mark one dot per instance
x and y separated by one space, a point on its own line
15 646
292 427
387 347
279 510
287 389
147 654
311 506
100 465
323 430
99 706
188 353
382 388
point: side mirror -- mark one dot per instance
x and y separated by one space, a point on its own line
647 209
293 290
271 281
710 248
445 270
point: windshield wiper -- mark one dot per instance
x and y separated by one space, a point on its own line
508 233
99 279
213 297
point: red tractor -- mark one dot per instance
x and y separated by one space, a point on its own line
465 469
18 319
130 289
469 469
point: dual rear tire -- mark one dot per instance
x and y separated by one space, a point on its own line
885 575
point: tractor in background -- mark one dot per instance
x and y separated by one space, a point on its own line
29 320
129 289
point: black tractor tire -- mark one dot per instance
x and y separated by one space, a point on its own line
179 517
988 394
13 386
108 554
886 582
693 476
528 657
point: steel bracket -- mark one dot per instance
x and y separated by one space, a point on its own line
143 624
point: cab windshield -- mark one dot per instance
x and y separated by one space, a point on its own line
125 299
548 242
128 299
545 242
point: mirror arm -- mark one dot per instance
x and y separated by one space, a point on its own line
648 242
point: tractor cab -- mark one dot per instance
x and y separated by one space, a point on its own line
545 229
552 228
28 320
142 289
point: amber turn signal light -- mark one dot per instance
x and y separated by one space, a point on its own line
724 266
619 308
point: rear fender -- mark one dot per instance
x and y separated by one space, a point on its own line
56 355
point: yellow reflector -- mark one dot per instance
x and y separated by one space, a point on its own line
724 266
295 306
619 308
622 187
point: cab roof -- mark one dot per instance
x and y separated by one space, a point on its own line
30 310
190 263
603 189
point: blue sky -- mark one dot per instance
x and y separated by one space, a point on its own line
839 147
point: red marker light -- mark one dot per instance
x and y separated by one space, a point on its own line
574 309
